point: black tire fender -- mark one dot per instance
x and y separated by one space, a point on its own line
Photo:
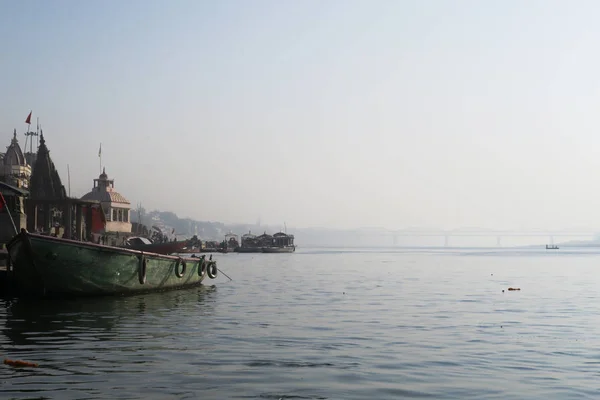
202 267
180 262
211 270
142 269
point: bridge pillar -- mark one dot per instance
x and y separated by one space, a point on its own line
498 241
446 241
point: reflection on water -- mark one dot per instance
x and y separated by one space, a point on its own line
32 323
360 325
81 339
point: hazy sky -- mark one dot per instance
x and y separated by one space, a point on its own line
318 113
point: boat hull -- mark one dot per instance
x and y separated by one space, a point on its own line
287 249
248 250
53 266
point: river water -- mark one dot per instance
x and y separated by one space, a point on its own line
326 324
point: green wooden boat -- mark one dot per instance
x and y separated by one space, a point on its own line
54 266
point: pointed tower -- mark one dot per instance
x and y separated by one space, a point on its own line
45 181
15 170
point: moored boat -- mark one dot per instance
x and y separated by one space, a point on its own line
210 246
282 249
250 244
280 243
145 244
54 266
229 244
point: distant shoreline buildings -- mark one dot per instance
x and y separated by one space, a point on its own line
32 178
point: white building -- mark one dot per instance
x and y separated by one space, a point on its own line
117 208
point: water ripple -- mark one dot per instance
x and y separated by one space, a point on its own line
324 325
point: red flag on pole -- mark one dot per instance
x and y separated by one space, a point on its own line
28 120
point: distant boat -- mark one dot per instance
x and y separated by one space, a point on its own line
250 244
551 247
229 244
280 243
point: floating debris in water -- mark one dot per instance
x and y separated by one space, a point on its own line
19 363
514 288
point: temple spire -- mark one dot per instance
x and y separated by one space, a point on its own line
45 181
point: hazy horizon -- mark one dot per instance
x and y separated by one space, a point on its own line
338 114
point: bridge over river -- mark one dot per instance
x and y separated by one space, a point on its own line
447 235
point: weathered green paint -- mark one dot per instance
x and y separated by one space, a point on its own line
49 265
